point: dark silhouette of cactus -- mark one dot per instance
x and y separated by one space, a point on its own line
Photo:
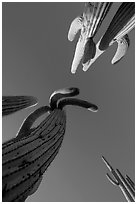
125 184
26 157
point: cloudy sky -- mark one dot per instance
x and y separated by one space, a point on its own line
37 58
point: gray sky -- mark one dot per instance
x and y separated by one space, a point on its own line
36 61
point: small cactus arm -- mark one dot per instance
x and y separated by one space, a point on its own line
12 104
26 157
125 184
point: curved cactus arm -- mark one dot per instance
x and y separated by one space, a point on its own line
116 183
25 128
61 93
123 45
12 104
78 102
75 26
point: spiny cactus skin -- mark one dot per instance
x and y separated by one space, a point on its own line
26 158
12 104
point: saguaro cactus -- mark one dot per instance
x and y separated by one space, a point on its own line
125 184
89 23
26 157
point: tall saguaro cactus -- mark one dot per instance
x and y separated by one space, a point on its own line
26 157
